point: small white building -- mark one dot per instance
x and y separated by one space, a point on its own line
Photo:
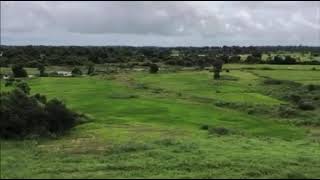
5 77
202 55
64 73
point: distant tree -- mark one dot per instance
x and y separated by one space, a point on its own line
217 68
41 69
224 58
19 71
153 68
4 61
277 60
257 54
234 59
91 68
253 60
76 71
289 60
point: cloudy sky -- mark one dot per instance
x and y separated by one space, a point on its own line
160 23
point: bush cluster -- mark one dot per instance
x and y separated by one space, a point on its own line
24 116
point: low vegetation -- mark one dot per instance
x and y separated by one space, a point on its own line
255 121
26 116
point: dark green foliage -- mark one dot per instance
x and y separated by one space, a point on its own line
141 86
188 56
23 86
91 68
219 131
59 118
153 68
272 81
286 111
25 116
217 67
19 71
42 69
235 59
20 115
306 106
41 98
257 54
9 82
311 87
296 175
253 60
76 71
204 127
289 60
280 60
294 98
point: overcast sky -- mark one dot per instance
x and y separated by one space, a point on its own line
160 23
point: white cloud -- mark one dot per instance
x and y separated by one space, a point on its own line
195 23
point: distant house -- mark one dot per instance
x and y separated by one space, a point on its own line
202 55
30 76
64 73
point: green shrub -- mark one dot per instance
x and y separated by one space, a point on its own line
272 81
30 116
141 86
204 127
251 111
295 98
266 68
219 131
167 142
303 105
24 87
76 72
296 175
19 71
153 68
9 82
41 98
311 87
59 117
286 111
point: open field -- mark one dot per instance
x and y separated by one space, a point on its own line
149 126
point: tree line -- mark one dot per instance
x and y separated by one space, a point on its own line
34 56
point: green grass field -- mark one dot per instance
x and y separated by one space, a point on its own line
148 126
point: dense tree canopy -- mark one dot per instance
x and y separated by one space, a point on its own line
26 116
32 56
19 71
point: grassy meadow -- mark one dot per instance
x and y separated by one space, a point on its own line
153 126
